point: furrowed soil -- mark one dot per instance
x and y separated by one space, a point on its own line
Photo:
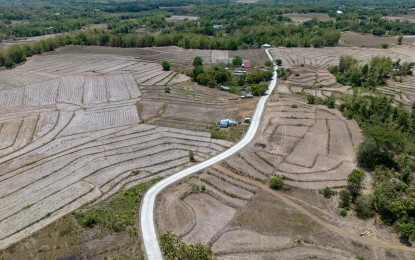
231 208
82 123
310 74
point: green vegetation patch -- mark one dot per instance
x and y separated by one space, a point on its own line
233 134
118 213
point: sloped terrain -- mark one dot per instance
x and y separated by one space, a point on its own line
72 131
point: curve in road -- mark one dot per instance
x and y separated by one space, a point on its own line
148 228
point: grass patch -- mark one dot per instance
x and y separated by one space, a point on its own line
117 213
233 134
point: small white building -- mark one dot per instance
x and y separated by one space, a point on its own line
217 26
339 12
265 46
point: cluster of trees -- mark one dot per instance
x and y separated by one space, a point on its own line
389 150
174 248
371 75
220 75
16 54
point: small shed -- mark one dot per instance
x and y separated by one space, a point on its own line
239 73
339 12
246 64
225 123
265 46
217 26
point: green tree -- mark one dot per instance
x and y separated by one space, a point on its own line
9 64
165 65
354 182
197 61
237 61
400 38
330 102
364 206
345 199
276 183
192 156
311 99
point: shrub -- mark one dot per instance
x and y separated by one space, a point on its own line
330 102
345 199
276 183
192 156
279 62
165 65
385 45
311 99
9 64
354 182
167 89
343 212
327 192
237 61
294 106
364 207
197 61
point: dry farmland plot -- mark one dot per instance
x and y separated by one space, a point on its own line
74 135
310 73
300 18
230 207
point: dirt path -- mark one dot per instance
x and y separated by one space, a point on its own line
289 201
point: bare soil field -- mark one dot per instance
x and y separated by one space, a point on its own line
310 74
177 18
353 39
403 18
300 18
72 131
231 208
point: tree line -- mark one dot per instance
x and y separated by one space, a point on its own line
388 149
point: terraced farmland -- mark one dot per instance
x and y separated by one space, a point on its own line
231 208
72 131
311 75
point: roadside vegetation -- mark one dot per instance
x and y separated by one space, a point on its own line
388 151
174 248
109 227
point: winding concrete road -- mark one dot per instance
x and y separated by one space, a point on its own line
148 228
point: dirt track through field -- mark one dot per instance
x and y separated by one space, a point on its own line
291 202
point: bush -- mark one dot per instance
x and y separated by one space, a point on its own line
327 192
192 156
237 61
165 65
385 45
354 182
279 62
364 207
276 183
9 64
167 89
197 61
330 102
311 99
345 199
343 212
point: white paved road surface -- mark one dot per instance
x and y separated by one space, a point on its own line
148 228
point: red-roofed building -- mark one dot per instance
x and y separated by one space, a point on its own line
246 64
